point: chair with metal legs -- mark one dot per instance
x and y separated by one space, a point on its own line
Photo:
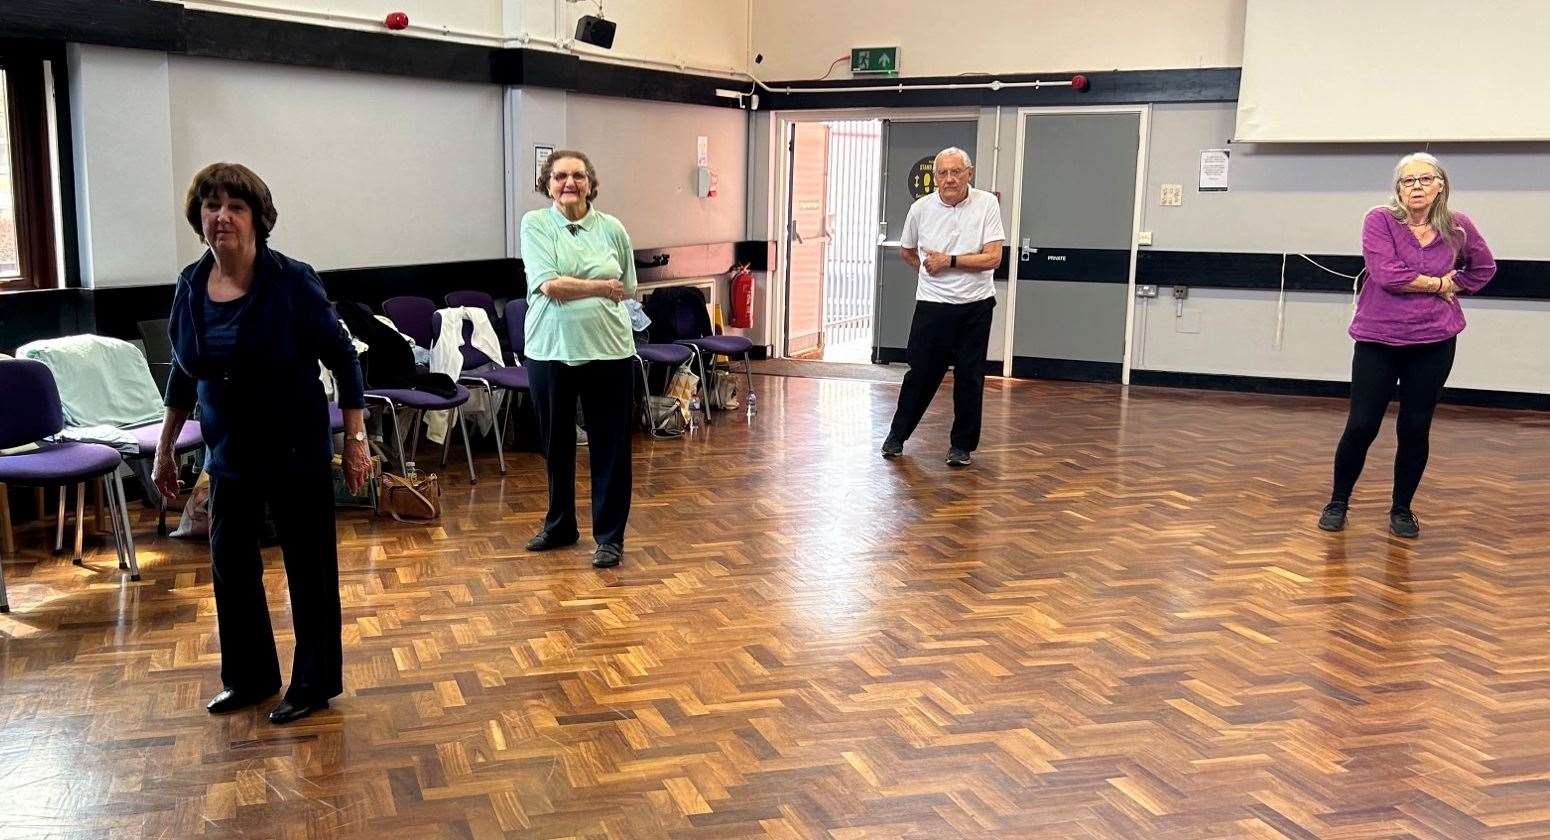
670 356
32 415
420 402
506 379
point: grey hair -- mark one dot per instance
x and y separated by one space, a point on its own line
953 150
1439 216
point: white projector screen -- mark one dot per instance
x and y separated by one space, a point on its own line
1336 71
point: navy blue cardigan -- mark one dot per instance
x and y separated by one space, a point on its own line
266 410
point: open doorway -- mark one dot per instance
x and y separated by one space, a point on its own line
831 271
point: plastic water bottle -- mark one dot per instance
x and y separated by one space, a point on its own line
694 412
752 402
409 471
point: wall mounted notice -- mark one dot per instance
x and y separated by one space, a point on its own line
1213 170
540 157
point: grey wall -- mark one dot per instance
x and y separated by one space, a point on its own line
366 170
645 156
121 123
1310 199
370 170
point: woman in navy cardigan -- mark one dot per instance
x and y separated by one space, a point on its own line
249 327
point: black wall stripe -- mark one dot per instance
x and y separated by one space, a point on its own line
1325 388
1515 279
1521 279
117 310
569 72
1211 84
1074 265
1077 370
137 24
244 38
168 27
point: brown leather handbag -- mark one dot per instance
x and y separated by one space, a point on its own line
416 499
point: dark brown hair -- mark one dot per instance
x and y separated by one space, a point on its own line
239 182
542 184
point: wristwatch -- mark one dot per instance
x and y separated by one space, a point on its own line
358 437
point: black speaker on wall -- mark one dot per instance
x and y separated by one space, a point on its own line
592 29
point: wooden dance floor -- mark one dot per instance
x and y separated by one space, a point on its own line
1120 622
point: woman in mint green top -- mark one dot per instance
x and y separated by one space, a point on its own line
579 345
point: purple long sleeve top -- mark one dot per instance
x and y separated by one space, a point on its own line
1385 312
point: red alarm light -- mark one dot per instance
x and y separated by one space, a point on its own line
397 20
1079 82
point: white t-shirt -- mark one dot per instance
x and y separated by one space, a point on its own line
955 230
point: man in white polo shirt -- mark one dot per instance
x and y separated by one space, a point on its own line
953 238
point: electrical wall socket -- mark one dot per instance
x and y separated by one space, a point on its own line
1172 195
1144 238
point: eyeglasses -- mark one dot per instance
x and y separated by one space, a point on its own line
951 173
564 176
1423 180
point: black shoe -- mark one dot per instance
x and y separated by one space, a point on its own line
230 700
607 556
1333 516
288 711
1402 523
959 457
893 448
543 541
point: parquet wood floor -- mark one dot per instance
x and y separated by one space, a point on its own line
1120 622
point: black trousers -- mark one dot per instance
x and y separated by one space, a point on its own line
1420 371
943 334
302 501
606 390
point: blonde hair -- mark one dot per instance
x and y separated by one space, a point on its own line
1439 216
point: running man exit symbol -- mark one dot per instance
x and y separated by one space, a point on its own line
874 60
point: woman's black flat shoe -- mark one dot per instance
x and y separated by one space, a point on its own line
230 700
288 711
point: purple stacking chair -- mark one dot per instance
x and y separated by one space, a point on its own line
420 402
31 414
670 356
703 346
412 316
512 378
474 299
509 379
148 437
416 318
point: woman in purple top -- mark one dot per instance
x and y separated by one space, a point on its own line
1420 257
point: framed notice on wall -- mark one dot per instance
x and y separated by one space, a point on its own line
1214 169
540 157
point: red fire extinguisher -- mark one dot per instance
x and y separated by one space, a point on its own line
742 297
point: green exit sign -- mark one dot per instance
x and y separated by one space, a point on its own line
865 60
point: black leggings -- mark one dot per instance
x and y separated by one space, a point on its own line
1420 370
